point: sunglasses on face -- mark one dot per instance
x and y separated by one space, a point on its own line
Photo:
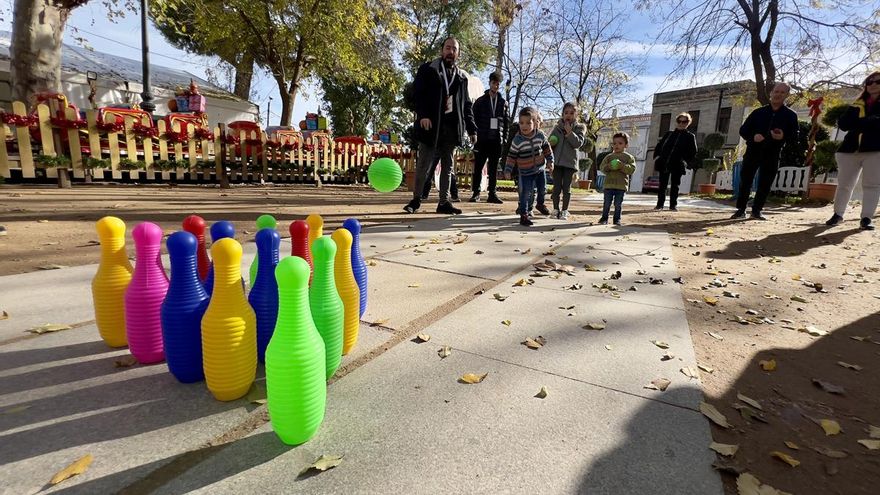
682 121
872 81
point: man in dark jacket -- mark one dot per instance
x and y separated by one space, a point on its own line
490 114
671 156
766 130
443 114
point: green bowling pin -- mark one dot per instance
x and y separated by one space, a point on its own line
296 368
263 222
325 303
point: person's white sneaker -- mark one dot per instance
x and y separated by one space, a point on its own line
564 215
554 214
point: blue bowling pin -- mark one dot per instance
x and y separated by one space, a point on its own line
182 310
264 293
358 266
219 230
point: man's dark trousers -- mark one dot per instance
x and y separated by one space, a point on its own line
665 177
486 151
766 178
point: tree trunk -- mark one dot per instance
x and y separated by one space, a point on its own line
758 68
502 40
244 74
286 103
37 29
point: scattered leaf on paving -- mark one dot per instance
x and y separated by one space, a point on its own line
413 286
77 467
505 323
660 344
48 328
499 297
706 368
542 394
870 444
536 343
749 401
607 347
830 426
594 326
815 332
829 387
444 351
660 384
724 448
715 336
690 372
749 414
798 299
16 409
834 454
792 445
711 301
715 415
873 431
478 252
257 393
379 323
667 356
4 315
422 337
791 461
768 365
322 464
125 362
747 484
472 378
850 366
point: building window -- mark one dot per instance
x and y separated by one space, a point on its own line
695 121
724 120
665 121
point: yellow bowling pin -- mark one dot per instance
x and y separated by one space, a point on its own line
229 328
347 287
110 282
316 227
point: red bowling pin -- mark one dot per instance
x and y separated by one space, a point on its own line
195 225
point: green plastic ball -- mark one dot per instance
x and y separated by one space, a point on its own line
615 164
385 175
553 140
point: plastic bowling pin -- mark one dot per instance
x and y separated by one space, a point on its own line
229 328
196 226
296 385
263 222
144 296
358 266
316 227
219 230
110 282
181 313
347 287
264 294
300 240
325 304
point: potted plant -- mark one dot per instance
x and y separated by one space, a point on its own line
584 165
712 143
823 163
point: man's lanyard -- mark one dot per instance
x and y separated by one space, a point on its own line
493 101
446 79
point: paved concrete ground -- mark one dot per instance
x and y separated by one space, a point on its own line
399 416
650 199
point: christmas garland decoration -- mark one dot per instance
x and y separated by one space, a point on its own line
203 134
18 120
110 127
229 139
175 137
143 131
63 123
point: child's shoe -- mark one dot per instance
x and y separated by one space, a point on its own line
524 220
563 215
555 214
543 210
531 214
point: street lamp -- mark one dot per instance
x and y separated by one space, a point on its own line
147 96
267 111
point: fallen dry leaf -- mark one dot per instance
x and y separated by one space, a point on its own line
829 387
422 337
751 402
747 484
444 351
870 444
535 343
48 328
791 461
830 426
607 347
521 283
52 267
706 368
834 454
4 315
792 445
499 297
711 301
505 323
77 467
724 449
594 326
715 336
798 299
257 394
667 356
850 366
660 384
542 394
715 415
690 372
413 286
322 464
125 362
16 409
471 378
873 431
660 344
768 365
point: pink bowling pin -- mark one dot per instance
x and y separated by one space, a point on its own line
144 296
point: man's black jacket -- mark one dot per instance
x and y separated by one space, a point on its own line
430 94
483 114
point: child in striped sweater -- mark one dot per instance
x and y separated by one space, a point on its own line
531 154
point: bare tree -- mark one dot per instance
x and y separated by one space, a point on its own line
806 43
526 57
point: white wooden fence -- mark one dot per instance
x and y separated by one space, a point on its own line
788 180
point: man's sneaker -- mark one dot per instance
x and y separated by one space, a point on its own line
739 214
603 221
543 210
672 208
759 216
447 208
475 198
531 214
865 224
413 206
617 222
658 207
494 199
525 220
563 215
554 214
834 220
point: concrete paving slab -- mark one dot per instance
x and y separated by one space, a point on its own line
651 200
405 425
